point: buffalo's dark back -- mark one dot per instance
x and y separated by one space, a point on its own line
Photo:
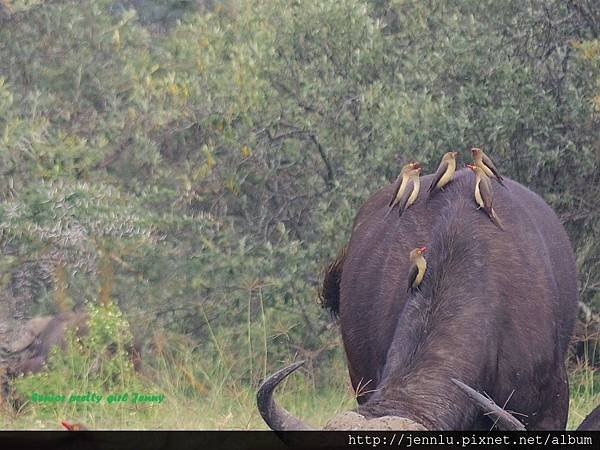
511 294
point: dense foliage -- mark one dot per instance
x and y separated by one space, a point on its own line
96 364
201 162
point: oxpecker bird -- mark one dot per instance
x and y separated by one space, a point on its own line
484 194
418 266
402 181
486 164
410 193
444 173
74 426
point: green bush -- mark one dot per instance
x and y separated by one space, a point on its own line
98 364
218 161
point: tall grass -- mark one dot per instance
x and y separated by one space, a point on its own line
584 384
212 386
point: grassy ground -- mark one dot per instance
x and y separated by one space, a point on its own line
232 411
585 394
199 399
210 386
223 402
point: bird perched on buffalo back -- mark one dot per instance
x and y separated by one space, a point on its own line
483 161
402 181
418 266
410 191
484 194
444 173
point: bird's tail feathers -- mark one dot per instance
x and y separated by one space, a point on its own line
494 217
388 212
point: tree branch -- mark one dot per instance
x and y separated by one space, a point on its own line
330 177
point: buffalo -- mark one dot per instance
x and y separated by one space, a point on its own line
29 352
495 311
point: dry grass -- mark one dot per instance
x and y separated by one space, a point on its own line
222 402
214 388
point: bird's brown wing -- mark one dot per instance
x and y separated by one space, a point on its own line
412 276
405 196
438 175
488 162
396 189
487 193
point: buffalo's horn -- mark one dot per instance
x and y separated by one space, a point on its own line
505 420
274 415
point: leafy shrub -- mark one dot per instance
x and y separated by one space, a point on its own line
98 363
218 161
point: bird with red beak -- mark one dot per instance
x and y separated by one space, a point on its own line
402 181
418 266
444 173
484 194
485 163
73 426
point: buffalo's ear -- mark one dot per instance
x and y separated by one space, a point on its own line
329 295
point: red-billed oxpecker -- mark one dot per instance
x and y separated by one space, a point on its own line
74 426
483 161
484 194
402 181
418 266
444 173
410 193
